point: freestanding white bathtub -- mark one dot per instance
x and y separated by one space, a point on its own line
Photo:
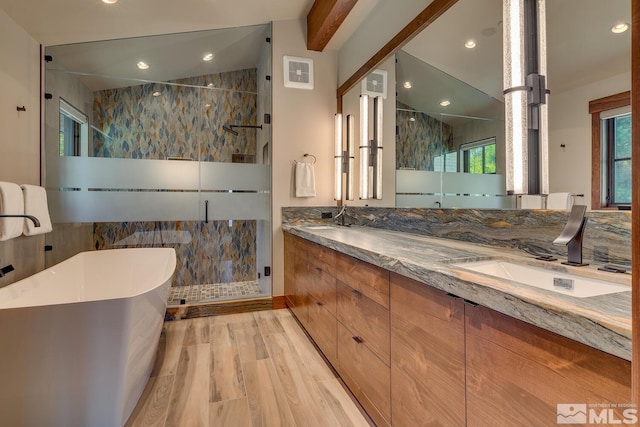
78 340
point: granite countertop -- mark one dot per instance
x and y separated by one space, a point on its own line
602 322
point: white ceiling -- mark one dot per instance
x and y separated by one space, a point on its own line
53 22
110 64
170 35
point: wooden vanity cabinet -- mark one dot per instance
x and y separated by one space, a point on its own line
311 292
414 355
321 297
427 355
364 334
518 373
289 277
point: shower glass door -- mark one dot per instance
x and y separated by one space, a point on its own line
172 155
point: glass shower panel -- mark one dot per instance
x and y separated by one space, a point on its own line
160 168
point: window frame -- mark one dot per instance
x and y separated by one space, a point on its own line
485 142
598 109
81 127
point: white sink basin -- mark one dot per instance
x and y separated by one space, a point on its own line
563 283
320 227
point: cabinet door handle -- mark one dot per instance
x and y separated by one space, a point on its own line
318 269
356 293
319 303
357 339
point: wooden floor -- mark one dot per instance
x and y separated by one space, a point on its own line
248 369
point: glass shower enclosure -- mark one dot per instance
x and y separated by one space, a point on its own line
164 141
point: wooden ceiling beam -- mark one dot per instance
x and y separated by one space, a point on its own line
324 19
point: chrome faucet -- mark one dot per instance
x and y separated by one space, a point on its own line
572 234
341 215
35 221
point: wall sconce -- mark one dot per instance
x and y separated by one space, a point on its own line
515 98
370 150
344 158
525 97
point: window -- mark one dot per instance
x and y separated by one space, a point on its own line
611 151
479 156
616 143
448 162
74 130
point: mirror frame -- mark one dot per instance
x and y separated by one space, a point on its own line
433 12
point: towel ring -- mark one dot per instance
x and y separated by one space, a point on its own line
311 155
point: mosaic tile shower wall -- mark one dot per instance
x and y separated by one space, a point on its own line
183 119
420 141
206 253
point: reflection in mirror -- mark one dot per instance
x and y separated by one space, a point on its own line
450 114
586 61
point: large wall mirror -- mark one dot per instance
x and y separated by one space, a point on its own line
449 139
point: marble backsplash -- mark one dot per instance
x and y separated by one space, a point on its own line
607 237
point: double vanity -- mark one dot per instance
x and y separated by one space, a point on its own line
425 330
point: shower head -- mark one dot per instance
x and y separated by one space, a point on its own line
228 129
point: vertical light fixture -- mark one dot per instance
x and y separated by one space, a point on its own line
515 96
364 147
343 158
337 192
350 163
370 150
543 109
377 146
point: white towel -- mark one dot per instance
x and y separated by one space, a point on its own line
35 204
559 201
529 201
11 203
305 180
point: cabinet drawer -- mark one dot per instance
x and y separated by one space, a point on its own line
321 257
323 329
366 375
365 318
368 279
322 288
427 355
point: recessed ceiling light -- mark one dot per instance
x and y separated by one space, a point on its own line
208 57
142 65
620 28
412 119
110 1
470 44
210 85
407 85
445 103
207 105
157 93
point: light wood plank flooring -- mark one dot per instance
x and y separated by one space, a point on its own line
247 369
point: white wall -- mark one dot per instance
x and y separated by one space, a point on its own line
19 86
19 136
302 123
570 124
384 22
351 105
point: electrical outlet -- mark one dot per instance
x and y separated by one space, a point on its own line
327 215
